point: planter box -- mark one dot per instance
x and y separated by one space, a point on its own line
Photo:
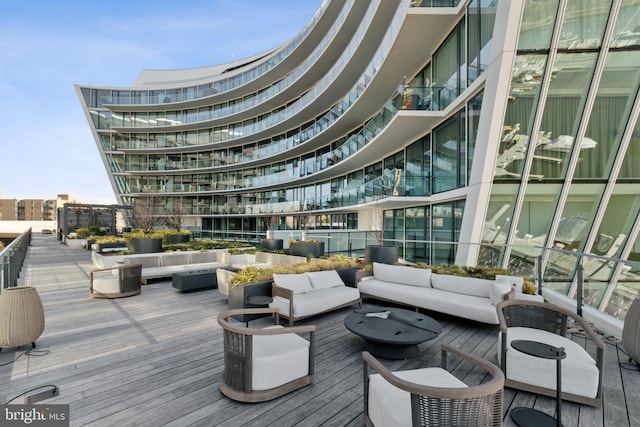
348 276
99 247
178 238
239 294
316 249
272 244
381 254
144 246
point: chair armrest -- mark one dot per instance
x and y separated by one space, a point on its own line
222 320
278 291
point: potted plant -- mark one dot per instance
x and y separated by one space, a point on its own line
314 248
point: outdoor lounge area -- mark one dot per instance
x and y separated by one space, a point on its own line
157 359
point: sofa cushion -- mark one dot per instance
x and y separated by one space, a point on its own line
278 359
298 283
391 406
579 370
514 281
210 256
145 261
498 291
317 301
106 284
324 279
462 285
402 274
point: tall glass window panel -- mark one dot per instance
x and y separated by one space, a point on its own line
577 216
417 182
610 115
523 97
630 169
618 220
563 110
627 30
473 117
445 156
446 72
416 234
584 24
480 21
537 24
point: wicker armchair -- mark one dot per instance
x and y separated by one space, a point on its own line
115 282
631 331
431 396
263 364
544 322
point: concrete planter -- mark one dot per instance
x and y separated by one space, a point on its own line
316 249
272 244
144 246
348 276
239 294
178 238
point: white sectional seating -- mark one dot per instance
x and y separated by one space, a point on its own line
298 296
466 297
155 266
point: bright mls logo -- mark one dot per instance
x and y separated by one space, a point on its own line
34 415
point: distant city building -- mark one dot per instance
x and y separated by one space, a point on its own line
31 209
503 122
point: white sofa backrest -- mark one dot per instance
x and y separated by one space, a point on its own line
175 258
146 261
210 256
515 281
462 285
403 275
242 259
298 283
324 279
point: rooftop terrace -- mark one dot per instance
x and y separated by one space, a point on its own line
155 359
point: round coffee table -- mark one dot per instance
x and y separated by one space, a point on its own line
395 337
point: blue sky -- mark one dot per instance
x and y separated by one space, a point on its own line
47 46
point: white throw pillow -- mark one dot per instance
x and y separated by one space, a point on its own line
514 281
498 291
298 283
324 279
462 285
402 275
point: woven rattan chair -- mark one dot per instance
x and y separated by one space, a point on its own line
431 396
544 322
263 364
631 331
115 282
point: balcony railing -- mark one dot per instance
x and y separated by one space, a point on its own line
12 258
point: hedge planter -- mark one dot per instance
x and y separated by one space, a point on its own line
348 276
144 246
272 244
316 249
99 247
381 254
240 294
178 238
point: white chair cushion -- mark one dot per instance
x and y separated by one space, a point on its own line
278 359
106 284
498 291
579 370
403 275
324 279
391 406
298 283
316 301
514 281
462 285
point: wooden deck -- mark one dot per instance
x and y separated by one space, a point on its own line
156 358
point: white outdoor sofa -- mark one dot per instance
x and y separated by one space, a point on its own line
466 297
162 265
299 296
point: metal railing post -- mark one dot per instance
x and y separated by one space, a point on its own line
580 290
539 273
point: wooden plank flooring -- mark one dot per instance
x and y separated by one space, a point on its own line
156 358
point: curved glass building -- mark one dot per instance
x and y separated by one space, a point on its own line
448 125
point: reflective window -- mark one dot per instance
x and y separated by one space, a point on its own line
631 161
538 208
610 114
627 30
584 24
537 24
445 156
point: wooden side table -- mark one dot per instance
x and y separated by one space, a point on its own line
529 417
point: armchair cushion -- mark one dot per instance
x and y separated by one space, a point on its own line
579 370
391 406
298 283
278 359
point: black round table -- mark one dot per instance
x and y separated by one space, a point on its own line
395 337
529 417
